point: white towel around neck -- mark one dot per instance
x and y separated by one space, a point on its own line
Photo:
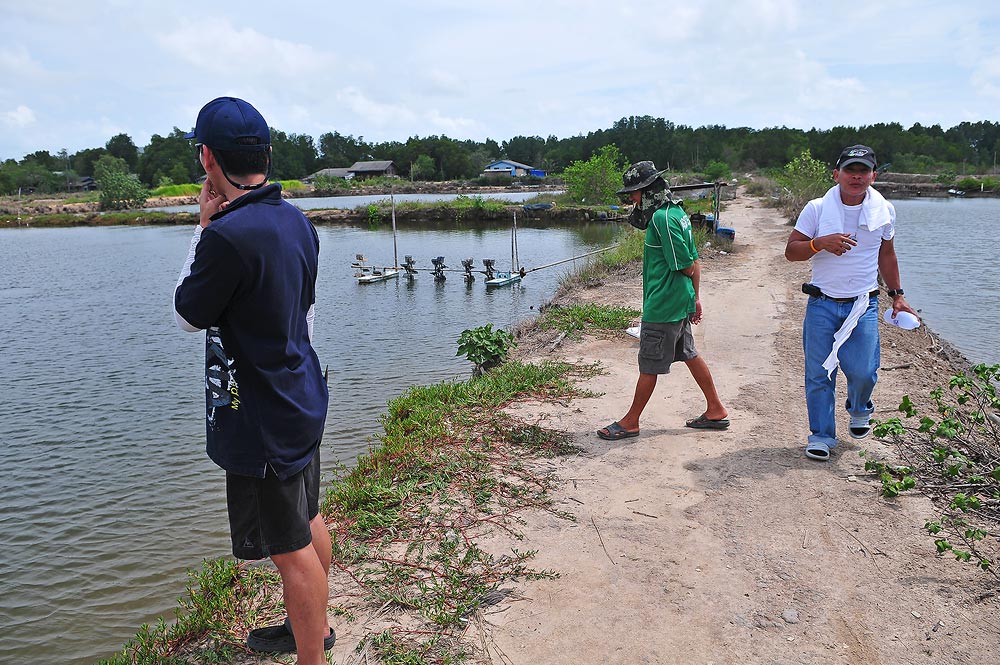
874 212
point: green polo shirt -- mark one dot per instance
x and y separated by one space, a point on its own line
667 293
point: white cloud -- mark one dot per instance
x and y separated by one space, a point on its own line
985 77
450 126
16 62
395 69
19 118
228 53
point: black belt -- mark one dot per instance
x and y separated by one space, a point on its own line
823 295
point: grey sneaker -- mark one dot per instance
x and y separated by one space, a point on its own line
860 426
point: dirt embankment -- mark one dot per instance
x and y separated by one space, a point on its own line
689 546
54 205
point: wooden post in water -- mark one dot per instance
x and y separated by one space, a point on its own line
513 246
395 257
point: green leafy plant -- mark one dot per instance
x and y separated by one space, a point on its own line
374 214
957 463
895 479
802 180
485 347
328 184
717 170
120 189
476 206
596 180
945 178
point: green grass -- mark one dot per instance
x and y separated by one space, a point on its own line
462 207
450 466
216 594
194 190
128 217
176 190
587 317
293 185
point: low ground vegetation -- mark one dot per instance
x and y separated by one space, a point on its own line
950 451
450 466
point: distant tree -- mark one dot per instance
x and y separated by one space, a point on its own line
166 156
34 176
423 168
479 157
453 159
84 160
119 188
717 170
525 149
180 175
294 155
67 175
8 176
596 180
43 159
122 146
492 149
339 151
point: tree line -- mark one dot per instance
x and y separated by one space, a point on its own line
963 149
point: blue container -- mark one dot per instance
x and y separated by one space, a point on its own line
725 232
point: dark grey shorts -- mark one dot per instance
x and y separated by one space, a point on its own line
661 344
268 516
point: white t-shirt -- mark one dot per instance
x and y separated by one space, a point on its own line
854 272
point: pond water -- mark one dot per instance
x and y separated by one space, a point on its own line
107 496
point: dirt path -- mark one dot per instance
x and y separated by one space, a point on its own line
732 547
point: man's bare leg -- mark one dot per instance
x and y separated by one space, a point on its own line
703 377
306 591
643 391
321 542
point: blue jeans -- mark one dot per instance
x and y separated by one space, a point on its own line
859 360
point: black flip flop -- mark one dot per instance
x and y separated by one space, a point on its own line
279 639
703 422
615 432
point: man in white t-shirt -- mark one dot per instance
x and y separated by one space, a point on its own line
848 235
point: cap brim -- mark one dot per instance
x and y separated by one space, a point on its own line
848 162
189 135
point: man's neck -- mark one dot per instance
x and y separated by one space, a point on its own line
232 193
852 200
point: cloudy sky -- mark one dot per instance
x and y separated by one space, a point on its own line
74 74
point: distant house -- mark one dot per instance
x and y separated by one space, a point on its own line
512 169
329 173
362 170
84 184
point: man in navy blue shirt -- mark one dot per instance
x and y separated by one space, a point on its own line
250 283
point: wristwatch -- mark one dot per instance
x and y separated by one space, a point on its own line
894 292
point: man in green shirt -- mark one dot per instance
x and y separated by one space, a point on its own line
670 303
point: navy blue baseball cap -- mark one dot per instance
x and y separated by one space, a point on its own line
229 123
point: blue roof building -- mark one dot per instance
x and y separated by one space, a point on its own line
511 168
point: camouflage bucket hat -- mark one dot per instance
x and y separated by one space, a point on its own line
639 176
